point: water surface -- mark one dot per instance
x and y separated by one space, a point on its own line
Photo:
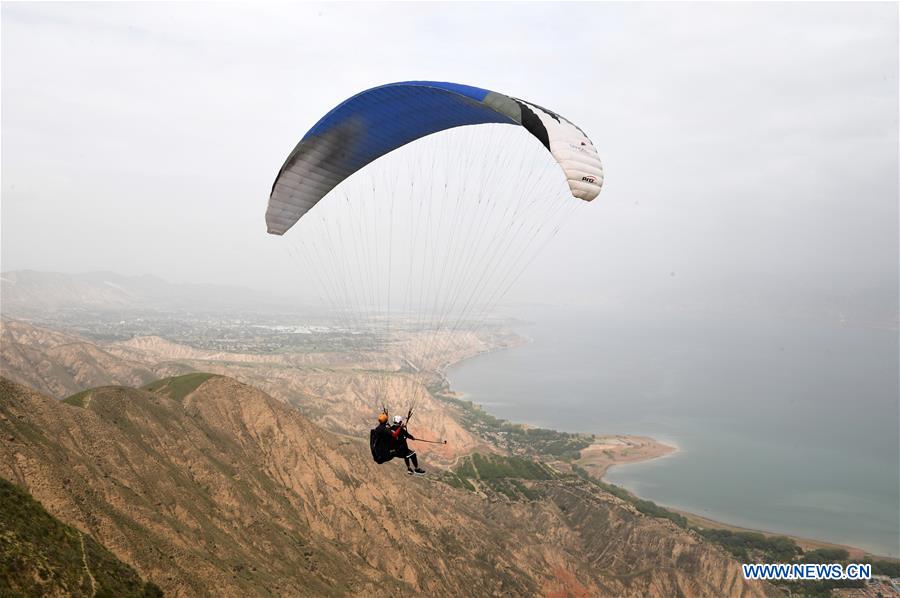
783 424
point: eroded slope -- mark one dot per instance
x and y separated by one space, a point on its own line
218 488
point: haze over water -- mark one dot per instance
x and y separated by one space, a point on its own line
784 425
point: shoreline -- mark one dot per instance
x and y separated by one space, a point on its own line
638 449
806 544
622 449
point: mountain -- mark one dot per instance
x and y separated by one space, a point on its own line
60 364
27 292
336 389
209 486
41 556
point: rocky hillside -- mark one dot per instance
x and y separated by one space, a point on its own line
208 486
41 556
341 391
60 364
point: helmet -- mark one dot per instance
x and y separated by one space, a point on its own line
398 419
382 418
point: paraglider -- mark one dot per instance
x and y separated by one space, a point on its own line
381 440
389 441
400 435
415 223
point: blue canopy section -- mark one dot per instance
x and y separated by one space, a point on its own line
370 125
395 101
388 117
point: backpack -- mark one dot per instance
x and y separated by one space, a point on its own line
380 452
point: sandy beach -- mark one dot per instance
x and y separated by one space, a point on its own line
618 449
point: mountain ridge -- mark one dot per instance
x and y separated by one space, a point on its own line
33 292
230 491
61 363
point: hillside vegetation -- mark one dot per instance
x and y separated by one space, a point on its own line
40 556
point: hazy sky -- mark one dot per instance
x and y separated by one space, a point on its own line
751 150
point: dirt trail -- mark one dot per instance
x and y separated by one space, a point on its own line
87 569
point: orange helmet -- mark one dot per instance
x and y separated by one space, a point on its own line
382 419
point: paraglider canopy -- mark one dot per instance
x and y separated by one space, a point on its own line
382 119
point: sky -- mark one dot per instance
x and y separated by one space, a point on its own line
750 149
